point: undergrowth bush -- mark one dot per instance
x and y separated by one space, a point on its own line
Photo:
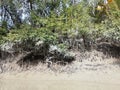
73 21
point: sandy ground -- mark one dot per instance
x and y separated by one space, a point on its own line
93 73
51 81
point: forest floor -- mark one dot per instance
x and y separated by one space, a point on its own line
91 71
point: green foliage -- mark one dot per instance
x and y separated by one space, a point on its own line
63 47
3 32
30 34
72 18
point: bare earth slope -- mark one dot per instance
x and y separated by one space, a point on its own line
92 72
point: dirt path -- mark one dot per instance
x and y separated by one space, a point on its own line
52 81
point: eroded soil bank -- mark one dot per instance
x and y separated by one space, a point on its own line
91 71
